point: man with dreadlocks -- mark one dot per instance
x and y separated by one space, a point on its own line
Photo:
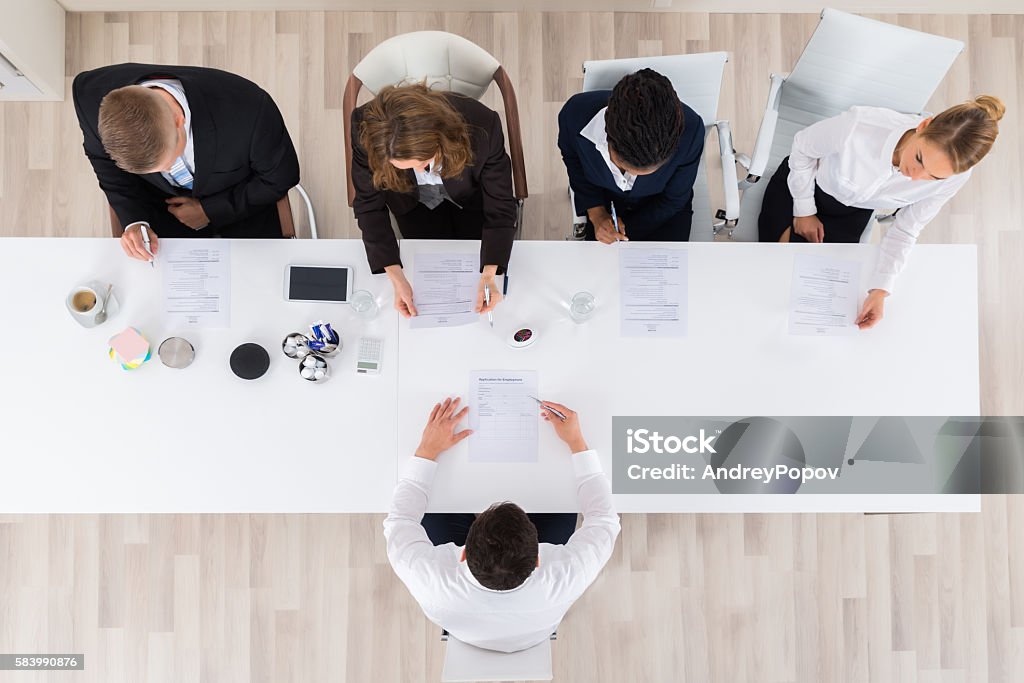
639 147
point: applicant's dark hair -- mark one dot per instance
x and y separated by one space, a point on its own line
501 547
644 120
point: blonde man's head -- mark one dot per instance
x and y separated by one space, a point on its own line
138 129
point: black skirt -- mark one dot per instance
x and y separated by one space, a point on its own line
842 223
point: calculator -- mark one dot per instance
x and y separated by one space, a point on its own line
368 360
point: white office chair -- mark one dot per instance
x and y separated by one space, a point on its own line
464 663
848 61
290 226
443 61
697 79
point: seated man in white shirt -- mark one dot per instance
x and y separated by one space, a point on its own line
504 590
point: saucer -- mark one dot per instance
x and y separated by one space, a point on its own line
112 304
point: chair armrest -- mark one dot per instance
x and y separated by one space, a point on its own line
730 184
766 133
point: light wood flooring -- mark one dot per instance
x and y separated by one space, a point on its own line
730 598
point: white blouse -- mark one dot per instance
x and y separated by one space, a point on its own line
596 133
850 157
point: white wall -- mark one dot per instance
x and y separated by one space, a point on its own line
32 38
812 6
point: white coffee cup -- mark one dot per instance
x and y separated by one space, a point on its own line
84 302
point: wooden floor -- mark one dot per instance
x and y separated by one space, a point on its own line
929 598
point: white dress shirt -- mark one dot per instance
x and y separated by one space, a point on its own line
430 176
850 158
596 133
512 620
173 86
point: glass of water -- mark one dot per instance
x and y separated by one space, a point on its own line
581 307
364 304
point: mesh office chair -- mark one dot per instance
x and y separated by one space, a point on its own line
848 61
697 79
443 61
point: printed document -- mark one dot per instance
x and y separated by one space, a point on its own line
823 297
654 292
197 282
503 416
444 289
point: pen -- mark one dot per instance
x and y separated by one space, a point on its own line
504 286
487 302
557 413
615 220
145 239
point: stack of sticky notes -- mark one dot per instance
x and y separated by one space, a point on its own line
129 348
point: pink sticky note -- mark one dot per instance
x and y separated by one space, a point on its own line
129 344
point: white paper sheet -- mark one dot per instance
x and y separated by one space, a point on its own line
653 301
502 416
197 282
823 296
444 289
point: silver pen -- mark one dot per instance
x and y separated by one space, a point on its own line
615 220
145 240
487 302
556 413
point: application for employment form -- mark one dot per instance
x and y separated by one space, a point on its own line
654 292
503 416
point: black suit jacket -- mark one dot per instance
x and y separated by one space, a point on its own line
655 198
489 175
245 161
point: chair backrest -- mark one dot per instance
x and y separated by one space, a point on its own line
463 663
443 61
697 79
851 61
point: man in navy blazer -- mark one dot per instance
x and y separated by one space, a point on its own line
639 147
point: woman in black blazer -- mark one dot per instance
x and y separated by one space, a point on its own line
437 162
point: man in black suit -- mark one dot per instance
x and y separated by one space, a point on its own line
639 147
190 151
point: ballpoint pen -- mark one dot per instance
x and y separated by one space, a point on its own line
615 220
504 286
487 302
556 413
145 239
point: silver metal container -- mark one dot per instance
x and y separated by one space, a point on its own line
314 368
296 345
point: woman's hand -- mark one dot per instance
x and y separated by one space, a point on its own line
403 291
487 282
809 227
872 310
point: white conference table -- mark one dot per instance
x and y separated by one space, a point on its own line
82 435
78 434
737 359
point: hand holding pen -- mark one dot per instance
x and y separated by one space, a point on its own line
566 423
139 242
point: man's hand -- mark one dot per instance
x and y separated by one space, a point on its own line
569 430
604 226
872 310
809 227
189 211
487 282
403 291
439 435
133 244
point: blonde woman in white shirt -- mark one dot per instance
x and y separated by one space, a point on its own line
842 169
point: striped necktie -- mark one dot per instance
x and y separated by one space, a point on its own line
181 174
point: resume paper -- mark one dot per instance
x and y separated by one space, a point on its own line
197 282
654 292
823 297
503 416
444 290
